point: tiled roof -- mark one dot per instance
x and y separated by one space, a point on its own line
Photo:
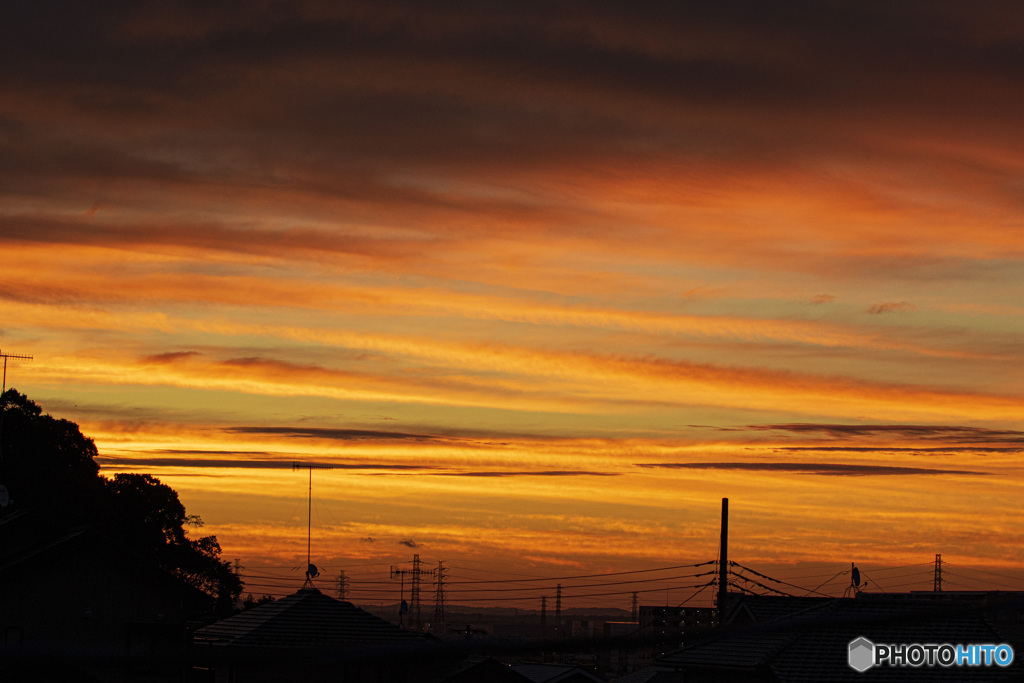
652 674
307 619
747 649
551 673
765 608
476 669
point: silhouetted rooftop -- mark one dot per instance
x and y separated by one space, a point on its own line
810 643
553 673
305 619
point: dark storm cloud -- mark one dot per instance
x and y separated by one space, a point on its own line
206 235
430 433
204 459
335 434
519 81
528 473
892 307
363 113
409 543
826 469
950 434
244 460
169 357
947 450
228 461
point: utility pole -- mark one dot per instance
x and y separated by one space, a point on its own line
938 573
544 616
636 609
439 619
403 607
723 564
237 568
3 403
558 611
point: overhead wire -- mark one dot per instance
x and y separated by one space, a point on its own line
584 576
765 576
518 587
581 585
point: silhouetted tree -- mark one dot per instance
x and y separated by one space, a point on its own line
146 514
48 465
251 602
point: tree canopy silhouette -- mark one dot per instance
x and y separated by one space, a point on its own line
48 465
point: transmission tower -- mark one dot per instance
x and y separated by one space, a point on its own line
636 609
439 620
938 573
342 585
414 594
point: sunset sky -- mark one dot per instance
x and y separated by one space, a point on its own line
543 281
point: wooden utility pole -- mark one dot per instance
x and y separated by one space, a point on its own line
544 616
558 611
403 607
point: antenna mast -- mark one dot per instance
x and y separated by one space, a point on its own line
311 571
3 404
5 356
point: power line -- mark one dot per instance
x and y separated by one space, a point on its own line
534 596
765 576
583 576
582 585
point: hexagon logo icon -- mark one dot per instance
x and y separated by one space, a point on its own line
862 654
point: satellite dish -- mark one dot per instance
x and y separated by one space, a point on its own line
856 576
312 572
404 609
5 497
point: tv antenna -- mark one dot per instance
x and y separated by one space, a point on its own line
855 585
3 404
5 357
311 569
